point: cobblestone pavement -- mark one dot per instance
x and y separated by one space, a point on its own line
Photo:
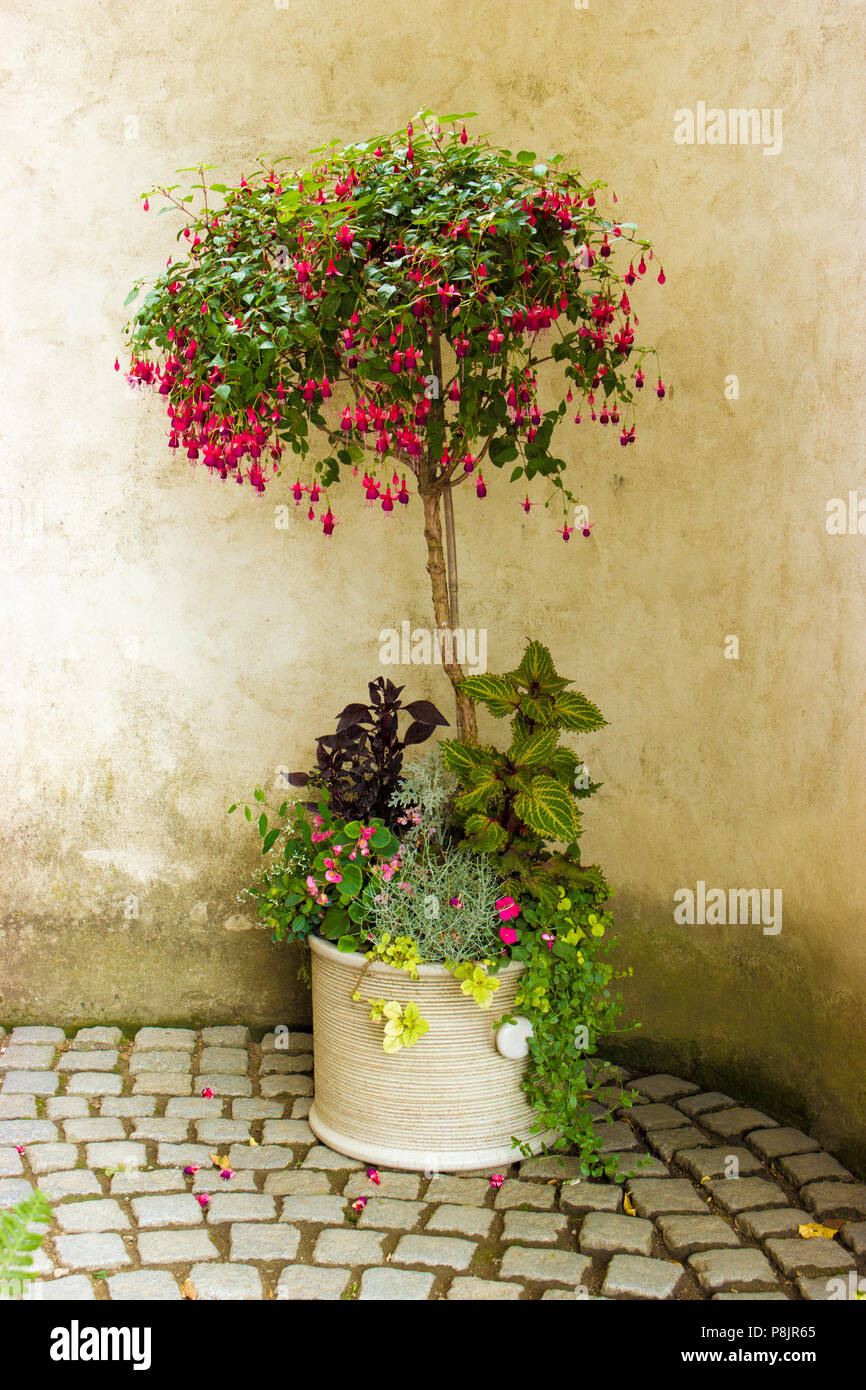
105 1126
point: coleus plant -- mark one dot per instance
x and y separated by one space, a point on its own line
383 312
359 766
513 802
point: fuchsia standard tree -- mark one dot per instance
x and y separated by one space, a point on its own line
396 296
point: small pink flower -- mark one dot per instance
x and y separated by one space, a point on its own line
227 1174
190 1169
507 908
373 1175
455 902
312 885
19 1148
548 938
508 935
207 1093
333 877
360 1204
202 1198
496 1180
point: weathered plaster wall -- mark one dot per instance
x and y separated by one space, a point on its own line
165 646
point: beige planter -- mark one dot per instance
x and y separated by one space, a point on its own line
451 1102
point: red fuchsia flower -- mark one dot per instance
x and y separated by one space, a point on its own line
402 495
359 1204
328 523
463 136
565 532
461 346
226 1174
190 1169
19 1148
469 462
639 379
496 1180
116 365
480 489
660 389
387 501
507 908
662 277
495 339
202 1198
373 1175
526 504
207 1093
345 237
508 935
585 530
146 205
456 902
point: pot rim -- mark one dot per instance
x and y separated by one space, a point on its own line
430 971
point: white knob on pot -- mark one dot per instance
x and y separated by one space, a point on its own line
512 1039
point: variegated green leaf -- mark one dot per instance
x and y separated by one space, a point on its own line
484 689
574 711
463 757
548 809
536 749
485 834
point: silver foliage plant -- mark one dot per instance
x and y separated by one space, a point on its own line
442 898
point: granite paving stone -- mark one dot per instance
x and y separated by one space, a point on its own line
176 1247
222 1131
741 1271
321 1157
535 1227
225 1084
257 1109
473 1290
97 1040
801 1169
85 1130
162 1083
31 1083
74 1182
705 1101
759 1224
736 1123
67 1107
544 1266
662 1086
28 1132
616 1137
309 1282
835 1199
242 1206
734 1195
74 1288
94 1083
781 1141
287 1132
27 1057
449 1252
602 1233
665 1196
349 1247
224 1061
637 1276
118 1155
160 1039
583 1197
461 1220
18 1107
179 1210
387 1214
33 1033
51 1158
13 1191
670 1142
323 1209
145 1285
226 1282
264 1242
128 1107
299 1085
151 1183
226 1035
656 1116
194 1108
287 1042
718 1162
88 1061
688 1235
172 1131
91 1251
809 1257
398 1285
75 1218
512 1193
469 1192
10 1163
853 1234
297 1182
277 1064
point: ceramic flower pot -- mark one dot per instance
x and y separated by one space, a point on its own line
451 1102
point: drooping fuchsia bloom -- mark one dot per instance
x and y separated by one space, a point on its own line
480 487
345 237
328 523
207 1093
496 1180
373 1175
585 530
463 136
566 532
456 902
526 504
19 1148
495 339
226 1174
202 1198
507 908
359 1204
190 1169
660 389
508 935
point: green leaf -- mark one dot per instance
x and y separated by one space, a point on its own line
537 666
462 757
525 157
270 838
347 943
548 809
352 880
538 748
487 688
334 923
133 294
574 711
263 825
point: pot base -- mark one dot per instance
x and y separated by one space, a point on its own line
431 1161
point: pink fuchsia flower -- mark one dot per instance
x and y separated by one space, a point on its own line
373 1175
359 1204
507 908
456 902
508 935
19 1148
207 1093
548 938
190 1169
227 1174
496 1180
202 1198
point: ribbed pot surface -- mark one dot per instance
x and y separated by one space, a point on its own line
448 1103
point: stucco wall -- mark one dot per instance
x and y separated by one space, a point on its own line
165 646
